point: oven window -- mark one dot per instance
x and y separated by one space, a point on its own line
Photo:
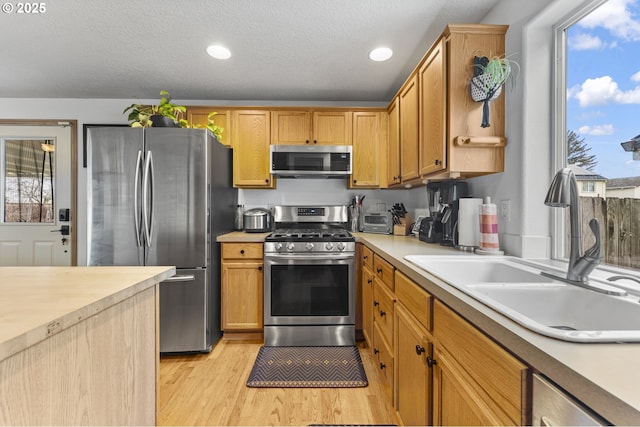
310 290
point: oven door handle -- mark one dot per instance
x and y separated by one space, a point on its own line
307 257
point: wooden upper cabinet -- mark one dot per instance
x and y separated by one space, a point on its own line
332 127
251 137
433 102
409 157
393 175
200 115
290 127
369 134
306 127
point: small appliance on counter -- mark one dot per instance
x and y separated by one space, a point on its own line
444 205
257 220
377 222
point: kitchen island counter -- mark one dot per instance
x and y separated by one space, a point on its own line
76 342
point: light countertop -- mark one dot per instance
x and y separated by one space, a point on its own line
37 302
604 376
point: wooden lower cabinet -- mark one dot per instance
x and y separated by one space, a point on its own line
242 287
412 370
476 382
367 305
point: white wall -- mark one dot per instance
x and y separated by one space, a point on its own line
528 168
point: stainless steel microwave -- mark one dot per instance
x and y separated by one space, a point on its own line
311 161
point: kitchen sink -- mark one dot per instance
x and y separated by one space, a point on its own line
542 304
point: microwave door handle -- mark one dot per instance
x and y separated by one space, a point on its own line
137 219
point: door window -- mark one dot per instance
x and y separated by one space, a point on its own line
28 180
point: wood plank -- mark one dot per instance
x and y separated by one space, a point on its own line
211 389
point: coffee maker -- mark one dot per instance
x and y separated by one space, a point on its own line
444 205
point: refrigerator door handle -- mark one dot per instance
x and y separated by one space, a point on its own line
181 278
148 199
136 211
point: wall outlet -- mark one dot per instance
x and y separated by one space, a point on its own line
505 210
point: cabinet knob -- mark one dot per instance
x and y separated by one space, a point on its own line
383 313
355 181
419 349
379 270
431 361
376 351
369 281
437 162
365 257
376 303
260 268
266 180
315 142
241 251
307 141
382 365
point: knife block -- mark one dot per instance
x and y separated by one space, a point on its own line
404 228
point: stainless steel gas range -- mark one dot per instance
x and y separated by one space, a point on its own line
309 280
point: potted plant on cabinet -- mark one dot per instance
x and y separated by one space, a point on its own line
489 75
166 114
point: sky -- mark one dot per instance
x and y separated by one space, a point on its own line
603 84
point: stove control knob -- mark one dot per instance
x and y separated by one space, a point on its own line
341 246
309 246
278 247
290 246
329 246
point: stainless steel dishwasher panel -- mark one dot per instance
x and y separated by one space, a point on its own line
553 407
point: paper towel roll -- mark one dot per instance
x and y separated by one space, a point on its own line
468 230
489 227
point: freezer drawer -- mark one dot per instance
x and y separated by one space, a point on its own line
184 312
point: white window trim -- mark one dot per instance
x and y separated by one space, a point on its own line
559 116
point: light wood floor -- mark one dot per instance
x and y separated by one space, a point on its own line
211 389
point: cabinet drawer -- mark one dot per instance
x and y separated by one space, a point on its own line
502 377
367 257
383 271
384 362
383 312
413 297
242 250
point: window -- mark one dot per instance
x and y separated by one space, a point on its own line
601 50
28 180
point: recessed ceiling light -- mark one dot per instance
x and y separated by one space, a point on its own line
219 52
380 54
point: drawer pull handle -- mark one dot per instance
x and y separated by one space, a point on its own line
382 365
419 349
431 361
376 351
382 313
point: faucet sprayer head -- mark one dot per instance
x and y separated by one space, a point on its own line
559 194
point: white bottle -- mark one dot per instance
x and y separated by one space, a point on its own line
239 220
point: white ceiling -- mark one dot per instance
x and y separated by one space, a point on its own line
295 50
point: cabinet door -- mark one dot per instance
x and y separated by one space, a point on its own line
409 147
393 144
251 137
413 374
290 127
367 137
241 296
433 95
200 116
367 305
332 127
455 402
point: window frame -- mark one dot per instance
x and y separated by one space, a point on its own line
559 115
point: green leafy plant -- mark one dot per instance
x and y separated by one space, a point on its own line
489 75
140 115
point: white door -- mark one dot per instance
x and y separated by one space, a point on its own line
36 188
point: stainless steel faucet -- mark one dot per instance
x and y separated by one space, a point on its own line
563 193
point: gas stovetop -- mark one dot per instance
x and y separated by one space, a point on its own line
310 229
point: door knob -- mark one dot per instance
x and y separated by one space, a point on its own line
64 230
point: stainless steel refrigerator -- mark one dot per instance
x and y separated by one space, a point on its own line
160 196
